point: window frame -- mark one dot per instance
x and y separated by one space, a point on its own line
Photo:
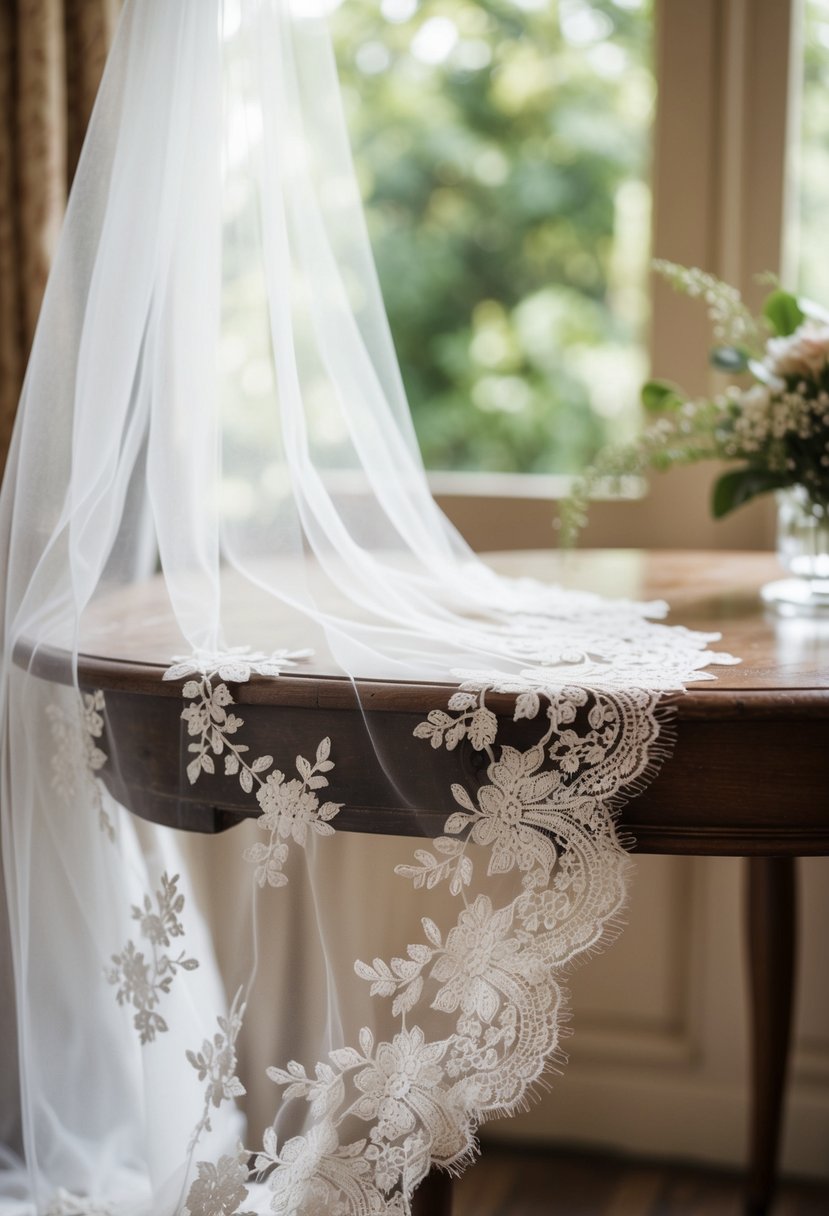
722 194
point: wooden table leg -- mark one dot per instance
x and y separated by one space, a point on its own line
434 1195
771 896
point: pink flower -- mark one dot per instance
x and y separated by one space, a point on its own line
803 354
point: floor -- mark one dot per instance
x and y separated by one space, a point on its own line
509 1182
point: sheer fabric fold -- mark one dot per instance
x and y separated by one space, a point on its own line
215 486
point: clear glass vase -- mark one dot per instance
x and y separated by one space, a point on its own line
803 551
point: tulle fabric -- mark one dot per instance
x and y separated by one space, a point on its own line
213 402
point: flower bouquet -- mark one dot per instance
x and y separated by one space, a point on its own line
774 424
771 426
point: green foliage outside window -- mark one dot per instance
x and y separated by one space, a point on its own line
503 147
813 154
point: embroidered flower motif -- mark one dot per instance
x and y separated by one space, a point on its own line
219 1189
478 1048
476 949
399 1165
216 1064
142 980
290 809
137 986
494 971
543 909
510 810
77 757
209 712
299 1184
209 722
402 1081
235 665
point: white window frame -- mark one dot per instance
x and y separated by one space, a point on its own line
721 193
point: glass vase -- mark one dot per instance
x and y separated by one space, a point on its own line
803 551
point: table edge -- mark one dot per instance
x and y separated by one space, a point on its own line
295 690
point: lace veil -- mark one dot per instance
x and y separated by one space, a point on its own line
214 456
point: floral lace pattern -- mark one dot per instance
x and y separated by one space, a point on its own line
542 815
236 665
77 755
216 1065
143 979
290 808
219 1189
382 1111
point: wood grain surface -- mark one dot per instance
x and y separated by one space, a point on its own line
555 1182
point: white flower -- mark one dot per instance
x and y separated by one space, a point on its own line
403 1164
237 664
804 353
299 1185
219 1189
289 808
401 1083
516 799
93 709
476 949
216 1062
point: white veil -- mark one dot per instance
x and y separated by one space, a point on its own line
214 473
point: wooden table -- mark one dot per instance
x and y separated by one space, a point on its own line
732 786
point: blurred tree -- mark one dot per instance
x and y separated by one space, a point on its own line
813 154
502 147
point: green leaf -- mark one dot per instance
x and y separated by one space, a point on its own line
739 486
729 359
783 311
660 395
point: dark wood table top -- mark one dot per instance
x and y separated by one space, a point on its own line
750 770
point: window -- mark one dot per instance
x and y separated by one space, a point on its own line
507 150
503 150
811 157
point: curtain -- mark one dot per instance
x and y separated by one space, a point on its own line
52 53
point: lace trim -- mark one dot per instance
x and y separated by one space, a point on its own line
543 815
383 1112
77 756
144 978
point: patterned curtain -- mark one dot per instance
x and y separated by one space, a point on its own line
52 54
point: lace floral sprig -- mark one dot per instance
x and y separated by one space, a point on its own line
78 757
235 665
143 977
383 1111
541 813
290 807
215 1064
219 1189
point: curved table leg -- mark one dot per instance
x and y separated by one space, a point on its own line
434 1195
770 908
